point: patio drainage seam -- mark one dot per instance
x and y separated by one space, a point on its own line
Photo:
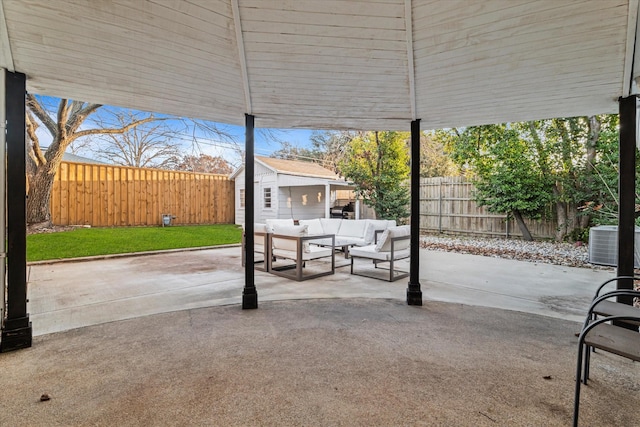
128 298
483 290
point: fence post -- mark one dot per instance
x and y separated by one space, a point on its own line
507 227
440 205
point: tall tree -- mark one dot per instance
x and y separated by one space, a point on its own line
64 127
563 155
434 161
331 146
204 163
148 145
327 149
600 198
505 172
378 165
288 151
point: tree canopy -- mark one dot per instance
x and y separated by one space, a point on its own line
526 168
378 165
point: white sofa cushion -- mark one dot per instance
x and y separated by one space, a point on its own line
258 227
313 253
277 221
352 228
384 244
371 253
289 230
315 226
349 241
258 240
330 225
374 225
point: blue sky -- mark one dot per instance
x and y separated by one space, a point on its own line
207 144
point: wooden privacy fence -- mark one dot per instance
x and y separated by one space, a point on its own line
447 206
106 195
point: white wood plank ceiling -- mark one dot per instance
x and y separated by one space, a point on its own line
335 64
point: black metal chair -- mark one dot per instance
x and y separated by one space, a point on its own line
603 329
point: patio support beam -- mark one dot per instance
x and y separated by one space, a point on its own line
249 293
628 108
327 201
16 327
414 294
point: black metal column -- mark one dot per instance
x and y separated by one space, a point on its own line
626 192
414 294
249 293
16 327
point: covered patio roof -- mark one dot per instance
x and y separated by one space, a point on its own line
334 64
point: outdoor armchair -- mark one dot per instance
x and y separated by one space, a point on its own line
393 245
260 247
293 243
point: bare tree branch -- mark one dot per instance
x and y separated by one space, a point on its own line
140 146
114 131
79 114
41 114
63 115
35 152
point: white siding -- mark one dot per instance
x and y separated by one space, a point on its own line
263 178
262 213
302 202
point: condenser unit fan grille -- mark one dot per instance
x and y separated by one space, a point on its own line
603 245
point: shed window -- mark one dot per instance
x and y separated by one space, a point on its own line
242 197
267 197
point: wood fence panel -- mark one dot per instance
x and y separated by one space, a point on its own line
64 193
447 205
54 204
106 195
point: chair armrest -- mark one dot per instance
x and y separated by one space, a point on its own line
376 233
393 243
606 296
615 279
320 236
595 323
617 293
301 241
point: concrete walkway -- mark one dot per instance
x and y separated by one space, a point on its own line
339 351
69 295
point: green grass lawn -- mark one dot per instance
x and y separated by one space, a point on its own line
103 241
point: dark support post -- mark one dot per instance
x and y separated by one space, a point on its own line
414 294
626 192
249 293
16 327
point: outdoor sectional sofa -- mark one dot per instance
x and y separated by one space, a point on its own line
311 239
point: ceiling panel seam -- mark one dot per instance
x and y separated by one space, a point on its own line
408 17
632 70
242 56
5 44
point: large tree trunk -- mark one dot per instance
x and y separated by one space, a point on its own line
38 201
526 234
561 216
592 140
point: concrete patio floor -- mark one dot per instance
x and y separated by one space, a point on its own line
69 295
493 344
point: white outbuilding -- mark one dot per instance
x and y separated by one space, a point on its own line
289 189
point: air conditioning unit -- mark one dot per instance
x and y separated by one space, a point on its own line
603 245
